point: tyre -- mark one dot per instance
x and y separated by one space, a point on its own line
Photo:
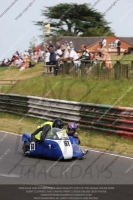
25 148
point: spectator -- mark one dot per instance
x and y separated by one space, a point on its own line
17 53
8 62
37 55
118 45
92 54
50 43
26 53
52 55
66 43
46 56
85 53
125 52
56 46
38 48
71 45
104 42
58 53
3 62
99 54
30 51
22 60
26 63
73 56
106 57
19 62
100 45
52 58
65 53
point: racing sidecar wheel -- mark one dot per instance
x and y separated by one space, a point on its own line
25 148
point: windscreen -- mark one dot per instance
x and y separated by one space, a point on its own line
58 134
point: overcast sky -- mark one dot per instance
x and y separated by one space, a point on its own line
16 34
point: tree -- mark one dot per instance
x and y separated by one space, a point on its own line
75 20
97 31
32 43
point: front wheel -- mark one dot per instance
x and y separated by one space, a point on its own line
25 148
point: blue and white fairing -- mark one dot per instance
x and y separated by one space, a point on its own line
57 145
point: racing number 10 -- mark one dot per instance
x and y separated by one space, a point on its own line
66 143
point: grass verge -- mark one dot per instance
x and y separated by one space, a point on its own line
111 92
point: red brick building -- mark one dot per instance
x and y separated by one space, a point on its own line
92 43
111 47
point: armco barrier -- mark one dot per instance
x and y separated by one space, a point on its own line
110 119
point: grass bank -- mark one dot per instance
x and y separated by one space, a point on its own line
124 59
84 89
112 92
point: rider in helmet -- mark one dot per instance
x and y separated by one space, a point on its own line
41 132
58 123
71 130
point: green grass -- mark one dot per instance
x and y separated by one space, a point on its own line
124 59
84 89
112 92
13 73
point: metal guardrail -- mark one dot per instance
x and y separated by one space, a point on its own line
93 68
106 118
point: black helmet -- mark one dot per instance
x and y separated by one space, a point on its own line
58 123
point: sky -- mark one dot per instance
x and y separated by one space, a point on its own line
17 20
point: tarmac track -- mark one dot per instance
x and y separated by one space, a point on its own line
95 168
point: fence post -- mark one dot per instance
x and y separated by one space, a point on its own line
64 67
71 69
131 69
60 69
82 67
127 71
86 68
124 71
103 69
117 70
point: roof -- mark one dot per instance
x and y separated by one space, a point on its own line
88 41
127 39
78 41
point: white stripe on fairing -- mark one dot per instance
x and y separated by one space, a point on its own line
67 151
10 175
